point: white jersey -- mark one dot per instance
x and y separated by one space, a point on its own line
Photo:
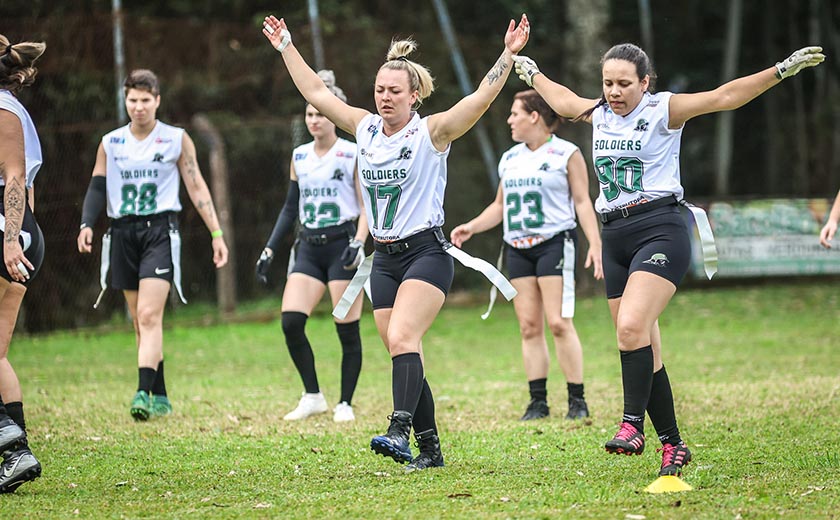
636 157
327 187
142 177
404 176
535 192
31 143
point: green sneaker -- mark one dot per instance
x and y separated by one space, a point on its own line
141 406
161 405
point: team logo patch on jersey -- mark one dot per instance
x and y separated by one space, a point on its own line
658 259
410 133
300 156
544 167
602 126
372 130
161 140
118 140
339 153
641 126
365 153
338 175
405 153
158 157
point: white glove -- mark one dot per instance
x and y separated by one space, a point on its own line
526 68
804 57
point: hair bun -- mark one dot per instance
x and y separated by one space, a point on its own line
328 77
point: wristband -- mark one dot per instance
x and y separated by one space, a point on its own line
217 234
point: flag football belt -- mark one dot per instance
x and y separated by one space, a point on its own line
637 209
144 221
432 235
323 236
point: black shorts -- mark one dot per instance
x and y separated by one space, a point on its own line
424 260
31 240
141 248
318 253
656 242
544 259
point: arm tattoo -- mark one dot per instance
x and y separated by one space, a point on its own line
497 71
206 204
14 198
192 167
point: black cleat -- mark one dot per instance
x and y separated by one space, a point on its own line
430 455
674 457
18 467
10 434
628 441
537 409
394 443
577 408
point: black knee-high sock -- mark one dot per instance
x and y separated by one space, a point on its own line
2 408
636 377
537 389
146 379
406 381
294 324
660 408
15 411
424 417
351 358
575 390
159 386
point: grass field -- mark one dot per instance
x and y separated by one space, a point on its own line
756 375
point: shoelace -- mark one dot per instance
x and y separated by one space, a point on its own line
669 454
626 432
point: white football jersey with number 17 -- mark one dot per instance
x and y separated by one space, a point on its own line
403 176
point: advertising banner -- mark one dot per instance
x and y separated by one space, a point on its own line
768 237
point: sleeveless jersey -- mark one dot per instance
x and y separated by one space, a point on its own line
403 176
31 143
327 187
535 192
142 177
636 157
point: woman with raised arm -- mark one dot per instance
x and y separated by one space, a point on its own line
23 247
636 148
136 175
324 195
543 190
402 167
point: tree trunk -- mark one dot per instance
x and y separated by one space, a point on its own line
725 122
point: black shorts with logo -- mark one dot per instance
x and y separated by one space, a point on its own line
544 259
421 258
31 239
141 248
656 241
318 252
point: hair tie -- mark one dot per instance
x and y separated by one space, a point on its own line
8 50
402 58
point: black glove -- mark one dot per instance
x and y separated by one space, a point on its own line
353 254
262 266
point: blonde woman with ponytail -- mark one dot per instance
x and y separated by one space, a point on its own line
23 247
402 170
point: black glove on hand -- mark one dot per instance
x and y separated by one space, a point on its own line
352 255
262 266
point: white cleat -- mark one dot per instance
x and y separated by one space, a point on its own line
310 404
343 412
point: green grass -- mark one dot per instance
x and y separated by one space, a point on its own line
756 374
